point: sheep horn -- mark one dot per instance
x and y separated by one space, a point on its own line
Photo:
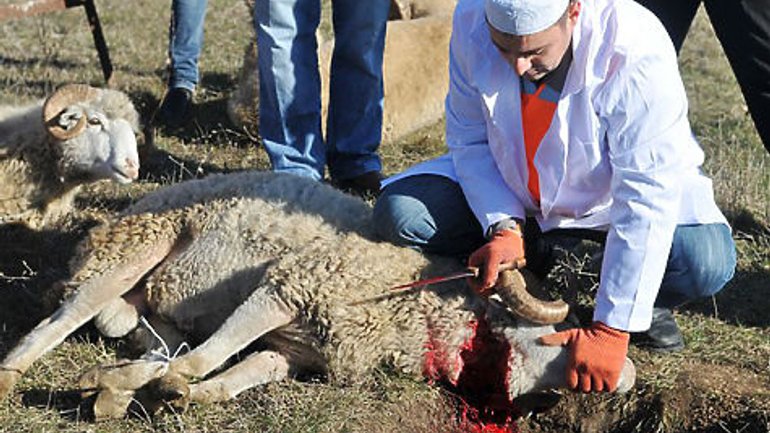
512 288
61 99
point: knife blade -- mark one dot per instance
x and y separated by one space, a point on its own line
470 271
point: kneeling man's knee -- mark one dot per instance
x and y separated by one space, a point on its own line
713 259
399 219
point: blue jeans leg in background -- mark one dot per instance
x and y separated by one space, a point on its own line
428 213
186 42
354 124
701 262
290 85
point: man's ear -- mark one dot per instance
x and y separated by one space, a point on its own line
573 11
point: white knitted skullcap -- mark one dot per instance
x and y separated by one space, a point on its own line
524 17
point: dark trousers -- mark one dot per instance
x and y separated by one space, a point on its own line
743 29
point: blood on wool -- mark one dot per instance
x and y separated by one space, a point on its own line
477 374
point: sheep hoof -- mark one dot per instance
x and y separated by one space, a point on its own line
8 379
125 375
89 382
172 390
112 403
207 393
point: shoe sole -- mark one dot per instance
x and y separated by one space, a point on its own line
665 349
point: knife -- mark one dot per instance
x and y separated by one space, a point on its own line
470 271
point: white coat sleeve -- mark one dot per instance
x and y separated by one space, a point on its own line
645 113
466 132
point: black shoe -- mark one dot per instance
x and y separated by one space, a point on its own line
176 107
664 334
364 185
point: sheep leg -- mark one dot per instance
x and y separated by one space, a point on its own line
91 297
172 389
260 314
257 316
257 369
290 356
115 385
127 375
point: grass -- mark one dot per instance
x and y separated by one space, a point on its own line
720 383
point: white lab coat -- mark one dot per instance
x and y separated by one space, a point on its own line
619 154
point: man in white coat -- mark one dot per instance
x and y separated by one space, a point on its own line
569 117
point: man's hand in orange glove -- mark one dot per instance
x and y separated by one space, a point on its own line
505 246
596 358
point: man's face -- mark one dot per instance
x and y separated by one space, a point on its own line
534 56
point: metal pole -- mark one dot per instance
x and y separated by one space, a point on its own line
101 45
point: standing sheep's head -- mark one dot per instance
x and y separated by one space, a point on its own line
95 130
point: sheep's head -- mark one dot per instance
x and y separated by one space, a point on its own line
95 130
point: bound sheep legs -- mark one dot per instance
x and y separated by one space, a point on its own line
90 299
260 314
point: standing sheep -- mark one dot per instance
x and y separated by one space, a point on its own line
415 70
291 262
78 135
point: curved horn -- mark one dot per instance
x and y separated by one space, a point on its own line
61 99
512 288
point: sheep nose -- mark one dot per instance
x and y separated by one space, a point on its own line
131 169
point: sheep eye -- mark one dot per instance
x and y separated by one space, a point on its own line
94 121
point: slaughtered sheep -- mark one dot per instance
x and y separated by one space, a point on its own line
293 264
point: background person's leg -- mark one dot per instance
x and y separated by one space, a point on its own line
429 213
743 28
354 125
186 42
290 85
184 49
676 16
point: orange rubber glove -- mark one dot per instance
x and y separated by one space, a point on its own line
505 246
596 358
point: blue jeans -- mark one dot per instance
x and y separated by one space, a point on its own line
185 42
290 88
430 213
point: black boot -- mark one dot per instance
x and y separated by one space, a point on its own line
176 107
364 185
664 334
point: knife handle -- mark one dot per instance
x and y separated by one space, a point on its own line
507 266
